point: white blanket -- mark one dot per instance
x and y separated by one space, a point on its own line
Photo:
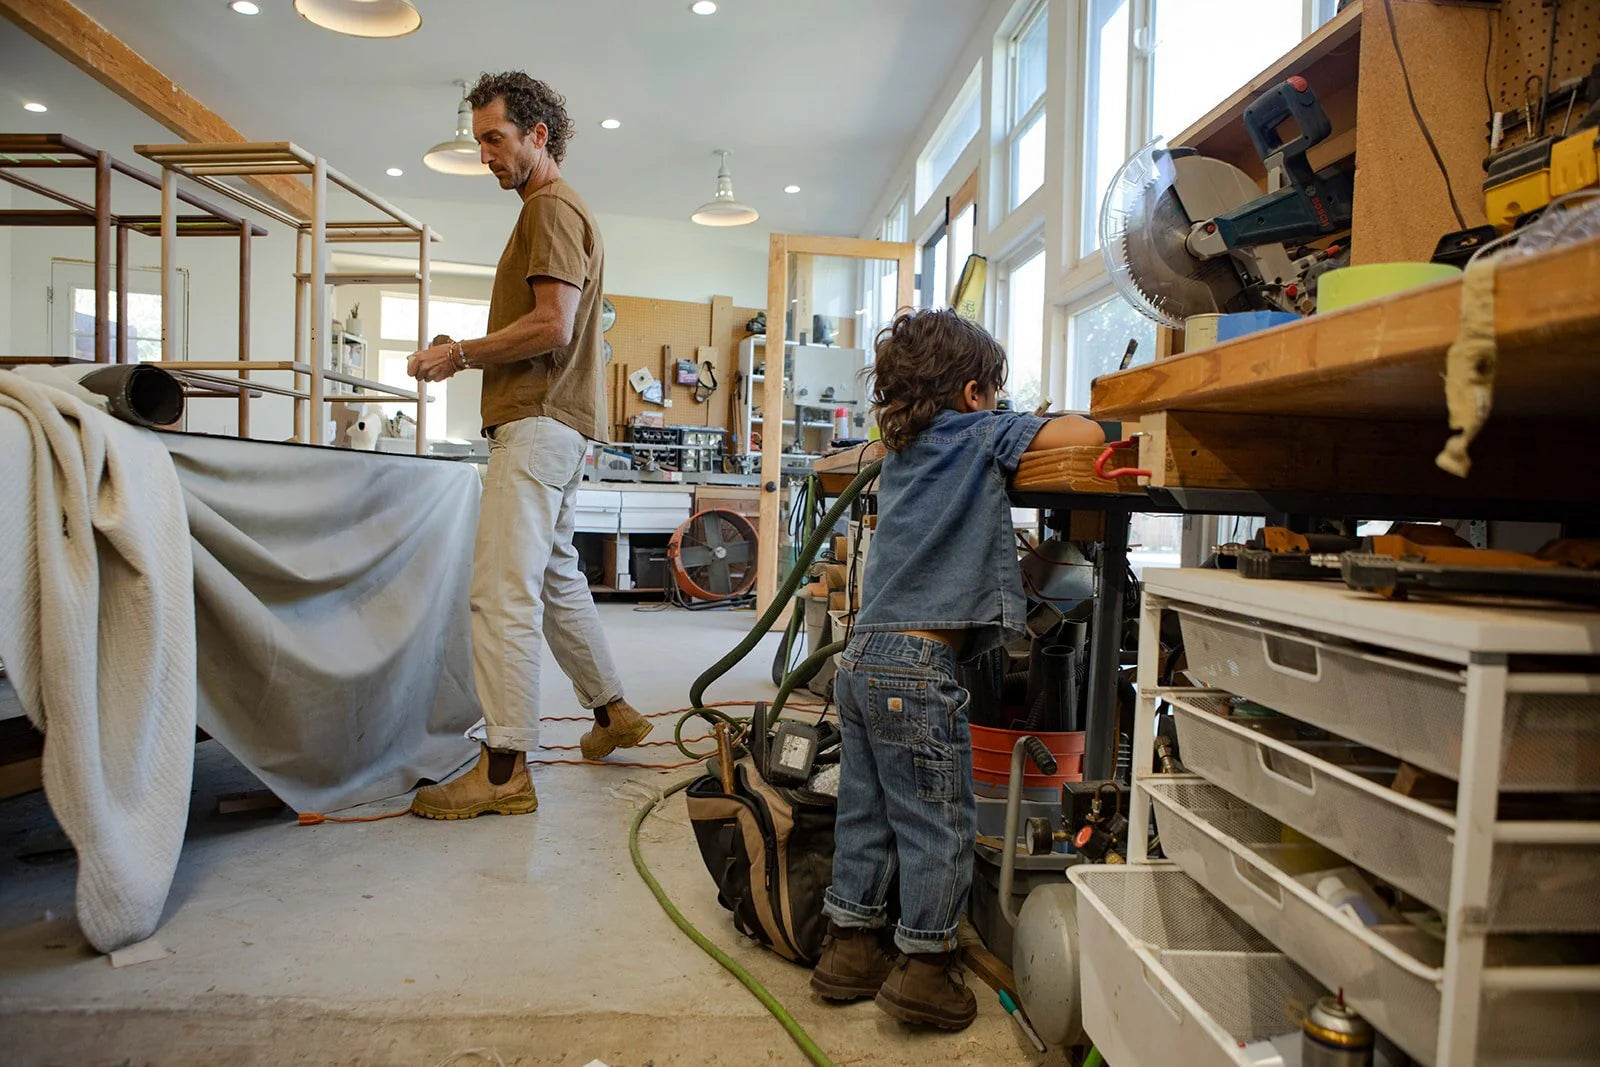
97 633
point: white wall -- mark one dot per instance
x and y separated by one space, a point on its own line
5 275
667 259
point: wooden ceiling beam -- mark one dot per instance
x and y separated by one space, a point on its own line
93 49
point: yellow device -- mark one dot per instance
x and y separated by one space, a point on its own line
1528 177
966 299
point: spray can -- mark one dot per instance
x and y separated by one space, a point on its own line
841 424
1332 1035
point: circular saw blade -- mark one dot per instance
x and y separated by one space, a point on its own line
1144 229
1172 279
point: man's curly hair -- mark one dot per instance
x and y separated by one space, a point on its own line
528 103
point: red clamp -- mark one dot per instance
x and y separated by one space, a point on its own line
1121 472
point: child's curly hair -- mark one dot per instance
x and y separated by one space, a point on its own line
922 362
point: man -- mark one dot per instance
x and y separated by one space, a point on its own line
543 403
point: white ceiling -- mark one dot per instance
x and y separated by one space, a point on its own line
825 94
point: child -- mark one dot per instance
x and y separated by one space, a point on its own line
942 585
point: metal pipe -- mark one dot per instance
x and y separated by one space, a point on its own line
1105 646
1046 763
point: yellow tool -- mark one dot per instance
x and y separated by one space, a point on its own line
966 299
1526 178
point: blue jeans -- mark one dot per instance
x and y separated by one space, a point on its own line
905 790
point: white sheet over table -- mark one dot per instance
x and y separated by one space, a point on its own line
97 633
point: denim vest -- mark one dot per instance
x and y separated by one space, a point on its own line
944 556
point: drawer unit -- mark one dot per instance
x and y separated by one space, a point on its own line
1171 976
648 511
598 511
1408 707
1391 972
1536 886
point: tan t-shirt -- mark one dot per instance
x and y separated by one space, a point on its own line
556 237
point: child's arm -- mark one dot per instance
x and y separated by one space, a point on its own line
1065 431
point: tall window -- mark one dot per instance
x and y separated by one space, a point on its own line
955 132
1105 120
459 319
72 318
1097 337
1188 80
1028 54
1024 311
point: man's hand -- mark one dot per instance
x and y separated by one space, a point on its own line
434 363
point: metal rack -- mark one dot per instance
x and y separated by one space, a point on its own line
1451 688
209 165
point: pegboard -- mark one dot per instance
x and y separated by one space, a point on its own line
643 327
1522 48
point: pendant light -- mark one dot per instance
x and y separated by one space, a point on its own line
362 18
723 209
459 155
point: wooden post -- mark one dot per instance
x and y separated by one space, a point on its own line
424 338
770 521
319 294
169 265
302 291
243 429
102 258
124 355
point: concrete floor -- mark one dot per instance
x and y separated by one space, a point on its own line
406 941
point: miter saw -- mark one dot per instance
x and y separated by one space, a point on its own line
1183 234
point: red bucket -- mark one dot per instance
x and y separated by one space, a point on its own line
991 757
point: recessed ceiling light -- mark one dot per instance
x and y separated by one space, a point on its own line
394 172
610 124
791 189
245 7
703 7
35 107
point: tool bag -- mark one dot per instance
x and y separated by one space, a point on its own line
770 851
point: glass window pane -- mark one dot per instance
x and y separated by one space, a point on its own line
1031 49
458 319
1025 345
1099 336
961 237
144 322
392 371
957 130
1027 161
1189 81
939 296
1107 112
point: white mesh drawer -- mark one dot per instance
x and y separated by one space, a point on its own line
1411 710
1390 973
1535 887
1170 976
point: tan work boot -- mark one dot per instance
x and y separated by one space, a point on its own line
473 794
931 990
854 964
624 728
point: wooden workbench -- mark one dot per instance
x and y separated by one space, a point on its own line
1355 399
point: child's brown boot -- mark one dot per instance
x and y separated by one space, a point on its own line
854 964
929 989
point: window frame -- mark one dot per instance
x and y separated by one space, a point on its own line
1018 126
1024 251
969 98
70 275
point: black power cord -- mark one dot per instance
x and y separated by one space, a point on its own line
1427 135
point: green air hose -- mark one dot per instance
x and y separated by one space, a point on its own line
813 1052
808 553
1094 1059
